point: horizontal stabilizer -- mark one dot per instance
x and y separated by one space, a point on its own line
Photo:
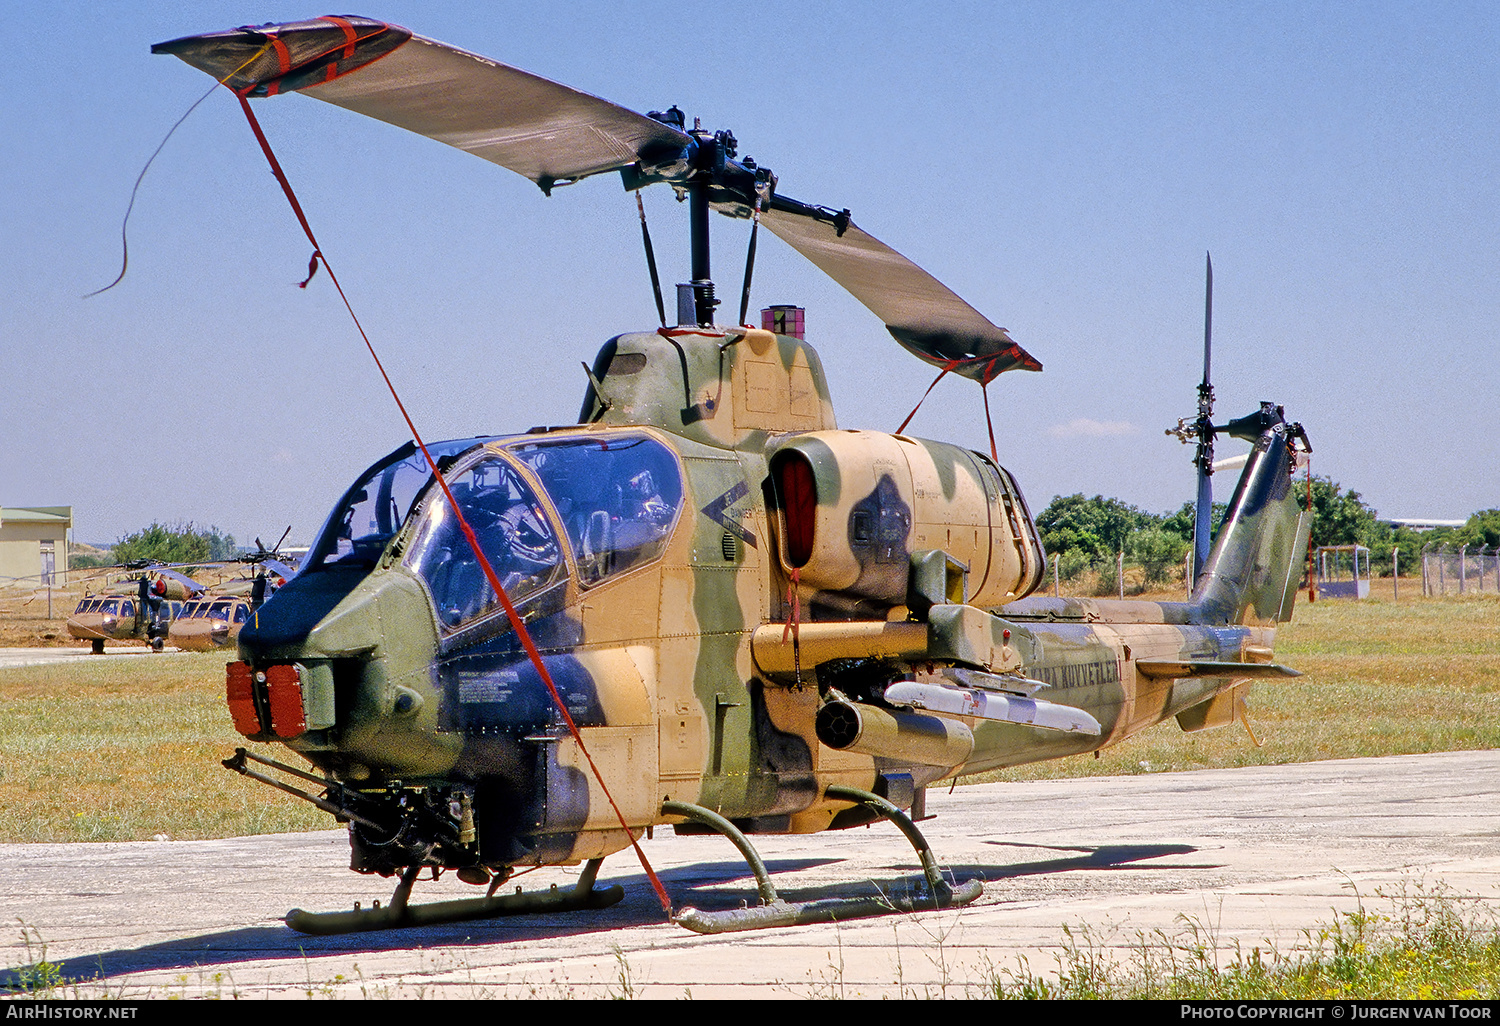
1179 669
989 705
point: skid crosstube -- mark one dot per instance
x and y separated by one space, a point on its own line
933 893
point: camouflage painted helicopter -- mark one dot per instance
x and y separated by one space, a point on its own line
758 622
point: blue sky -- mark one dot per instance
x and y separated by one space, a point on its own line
1063 167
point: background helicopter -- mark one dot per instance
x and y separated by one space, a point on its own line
212 620
159 604
139 608
744 619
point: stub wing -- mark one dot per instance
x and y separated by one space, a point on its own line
1182 669
925 316
546 131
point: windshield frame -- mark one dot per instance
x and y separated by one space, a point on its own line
411 553
323 554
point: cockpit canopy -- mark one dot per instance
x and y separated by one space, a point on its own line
616 496
610 502
375 507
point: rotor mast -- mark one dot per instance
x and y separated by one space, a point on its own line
708 155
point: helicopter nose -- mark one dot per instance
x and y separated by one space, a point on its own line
282 627
343 668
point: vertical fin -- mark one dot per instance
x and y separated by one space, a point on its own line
1261 545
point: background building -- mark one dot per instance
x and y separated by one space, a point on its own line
34 541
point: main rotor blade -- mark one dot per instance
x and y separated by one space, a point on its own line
281 568
553 134
923 314
548 132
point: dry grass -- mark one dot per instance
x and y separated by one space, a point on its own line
24 619
123 750
1381 678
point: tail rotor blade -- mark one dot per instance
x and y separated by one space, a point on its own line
1202 525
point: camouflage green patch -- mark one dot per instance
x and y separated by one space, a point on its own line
945 459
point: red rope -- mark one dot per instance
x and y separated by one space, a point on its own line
794 620
1312 577
985 391
925 394
489 572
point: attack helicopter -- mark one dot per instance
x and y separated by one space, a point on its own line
704 605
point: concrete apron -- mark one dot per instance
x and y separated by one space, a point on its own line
1250 856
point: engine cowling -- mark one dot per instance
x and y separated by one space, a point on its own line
855 505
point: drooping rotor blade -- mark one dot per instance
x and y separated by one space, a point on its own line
553 134
548 132
279 567
923 314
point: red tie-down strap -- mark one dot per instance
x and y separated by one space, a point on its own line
517 624
984 387
355 46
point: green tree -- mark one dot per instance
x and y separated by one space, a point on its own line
174 543
1096 527
1342 518
85 561
1158 550
220 545
1483 528
1408 542
1181 521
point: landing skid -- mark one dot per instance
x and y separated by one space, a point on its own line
400 914
933 893
826 910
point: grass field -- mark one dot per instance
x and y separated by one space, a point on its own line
130 749
124 750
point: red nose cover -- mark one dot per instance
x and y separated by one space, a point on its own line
240 687
284 689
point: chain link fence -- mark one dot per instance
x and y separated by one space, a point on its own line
1073 574
1461 571
1444 571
